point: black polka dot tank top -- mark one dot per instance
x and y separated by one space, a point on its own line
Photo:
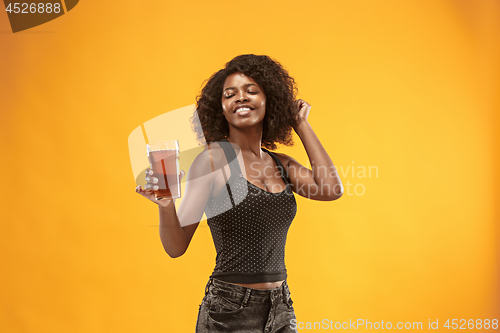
249 226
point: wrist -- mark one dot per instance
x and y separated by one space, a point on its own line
165 203
301 127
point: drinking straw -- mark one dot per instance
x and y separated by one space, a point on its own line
144 134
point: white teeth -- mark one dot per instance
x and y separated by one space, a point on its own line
243 109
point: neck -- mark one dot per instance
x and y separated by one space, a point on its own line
248 139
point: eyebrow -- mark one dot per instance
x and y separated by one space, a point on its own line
246 85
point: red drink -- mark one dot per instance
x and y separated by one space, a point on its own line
165 166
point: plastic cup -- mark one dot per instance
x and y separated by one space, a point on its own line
164 161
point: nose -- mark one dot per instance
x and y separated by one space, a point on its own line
242 97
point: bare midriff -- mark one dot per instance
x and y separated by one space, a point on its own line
261 285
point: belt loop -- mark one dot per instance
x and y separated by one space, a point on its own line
286 294
209 283
247 296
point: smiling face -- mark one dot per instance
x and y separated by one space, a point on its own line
243 101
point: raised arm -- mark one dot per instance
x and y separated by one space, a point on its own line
322 182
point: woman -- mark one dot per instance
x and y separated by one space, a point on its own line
246 192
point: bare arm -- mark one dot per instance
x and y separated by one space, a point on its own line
322 182
175 239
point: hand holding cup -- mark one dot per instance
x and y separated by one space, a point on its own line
163 177
151 186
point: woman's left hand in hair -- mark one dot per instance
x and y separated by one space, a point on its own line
301 112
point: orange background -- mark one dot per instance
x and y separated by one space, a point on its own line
410 87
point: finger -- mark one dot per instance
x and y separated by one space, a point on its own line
149 172
182 174
141 190
152 180
151 187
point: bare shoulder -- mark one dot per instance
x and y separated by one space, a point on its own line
284 158
201 165
218 156
212 157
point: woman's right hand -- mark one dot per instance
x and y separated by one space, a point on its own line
150 187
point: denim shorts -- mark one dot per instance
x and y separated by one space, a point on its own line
227 307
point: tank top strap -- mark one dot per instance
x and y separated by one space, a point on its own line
282 169
231 158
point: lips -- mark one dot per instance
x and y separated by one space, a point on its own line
242 108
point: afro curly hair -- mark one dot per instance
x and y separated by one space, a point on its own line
280 90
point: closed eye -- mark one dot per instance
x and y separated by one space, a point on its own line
248 92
